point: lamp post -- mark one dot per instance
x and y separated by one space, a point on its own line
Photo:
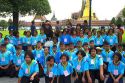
90 16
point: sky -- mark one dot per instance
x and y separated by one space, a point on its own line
104 9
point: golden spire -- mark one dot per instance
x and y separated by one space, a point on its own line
85 11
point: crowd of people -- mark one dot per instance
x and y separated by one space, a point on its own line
74 53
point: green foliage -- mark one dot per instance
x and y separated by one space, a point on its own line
24 7
113 21
3 24
119 21
123 12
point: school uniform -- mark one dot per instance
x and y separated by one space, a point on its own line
5 60
74 40
83 40
11 39
98 41
72 55
26 71
17 61
116 71
88 39
65 39
58 55
79 68
26 41
34 40
107 57
93 66
11 48
65 72
42 38
18 40
112 40
39 57
51 73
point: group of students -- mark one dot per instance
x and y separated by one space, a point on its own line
81 57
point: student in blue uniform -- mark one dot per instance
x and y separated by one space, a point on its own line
91 44
60 52
9 47
65 37
38 54
86 48
90 37
45 55
107 55
112 39
99 40
74 38
79 46
71 52
82 37
42 36
17 39
11 37
51 71
94 67
29 70
5 62
122 52
18 59
79 66
26 40
116 69
34 39
65 70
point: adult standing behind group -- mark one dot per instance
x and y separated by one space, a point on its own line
33 28
48 29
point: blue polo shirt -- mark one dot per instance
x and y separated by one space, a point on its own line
62 69
27 40
98 41
11 48
65 39
42 38
79 66
93 63
53 70
34 40
5 58
112 40
18 59
74 40
116 70
18 41
107 56
28 70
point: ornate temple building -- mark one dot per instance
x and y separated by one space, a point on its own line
83 14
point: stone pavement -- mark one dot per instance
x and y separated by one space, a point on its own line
14 80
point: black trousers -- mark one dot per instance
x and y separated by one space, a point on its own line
106 70
95 74
110 80
41 71
48 80
63 79
79 80
26 79
6 72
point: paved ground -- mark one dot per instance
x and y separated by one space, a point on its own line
14 80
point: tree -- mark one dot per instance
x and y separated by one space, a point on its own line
119 22
3 24
123 12
23 7
113 21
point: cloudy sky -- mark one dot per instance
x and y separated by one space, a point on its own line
104 9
